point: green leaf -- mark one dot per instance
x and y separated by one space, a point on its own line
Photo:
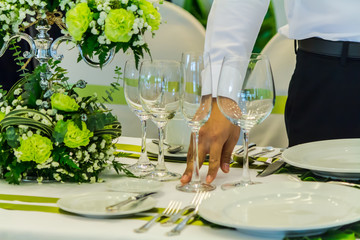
12 137
60 131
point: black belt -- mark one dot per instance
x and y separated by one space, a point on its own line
330 48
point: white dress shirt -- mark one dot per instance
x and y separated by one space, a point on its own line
233 25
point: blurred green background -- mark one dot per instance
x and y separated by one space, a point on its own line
200 10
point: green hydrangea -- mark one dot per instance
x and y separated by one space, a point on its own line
76 137
78 20
35 148
152 16
118 25
63 102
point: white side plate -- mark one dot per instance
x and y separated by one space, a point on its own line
94 204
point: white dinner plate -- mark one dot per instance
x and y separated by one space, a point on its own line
331 158
283 208
94 204
135 185
153 149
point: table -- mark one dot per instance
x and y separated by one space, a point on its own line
30 225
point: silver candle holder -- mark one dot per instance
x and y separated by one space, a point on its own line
43 48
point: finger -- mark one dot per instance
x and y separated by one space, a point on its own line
186 177
214 161
226 157
202 152
227 151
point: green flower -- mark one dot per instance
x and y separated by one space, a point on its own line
76 137
35 148
118 25
78 20
63 102
152 16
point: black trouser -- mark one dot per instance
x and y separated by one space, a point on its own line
323 99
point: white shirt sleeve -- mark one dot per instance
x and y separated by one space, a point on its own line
232 28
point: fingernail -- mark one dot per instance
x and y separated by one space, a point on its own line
209 179
226 167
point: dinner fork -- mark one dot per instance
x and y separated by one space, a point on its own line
191 207
178 228
171 209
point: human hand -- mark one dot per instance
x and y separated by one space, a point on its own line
218 138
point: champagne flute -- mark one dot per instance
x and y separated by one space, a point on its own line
159 88
246 96
131 92
196 103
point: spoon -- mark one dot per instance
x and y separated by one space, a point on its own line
171 149
264 151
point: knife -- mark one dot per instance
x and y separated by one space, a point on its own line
241 149
272 168
118 205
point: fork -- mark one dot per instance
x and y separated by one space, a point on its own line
171 209
178 228
190 207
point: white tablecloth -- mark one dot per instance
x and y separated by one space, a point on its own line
29 225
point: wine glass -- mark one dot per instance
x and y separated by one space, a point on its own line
246 96
196 103
131 92
159 88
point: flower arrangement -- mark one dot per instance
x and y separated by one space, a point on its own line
58 135
49 132
97 26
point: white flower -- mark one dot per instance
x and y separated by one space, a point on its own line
84 176
132 8
39 180
92 180
55 164
36 117
57 177
38 102
59 117
92 148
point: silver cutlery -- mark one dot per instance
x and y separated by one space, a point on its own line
171 209
171 148
272 168
264 151
241 149
117 206
191 207
178 228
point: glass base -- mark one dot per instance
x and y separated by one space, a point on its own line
163 176
227 186
194 187
140 169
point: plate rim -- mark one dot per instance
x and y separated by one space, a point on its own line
279 230
59 203
317 168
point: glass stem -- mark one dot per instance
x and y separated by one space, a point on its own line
160 166
245 178
195 176
143 158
